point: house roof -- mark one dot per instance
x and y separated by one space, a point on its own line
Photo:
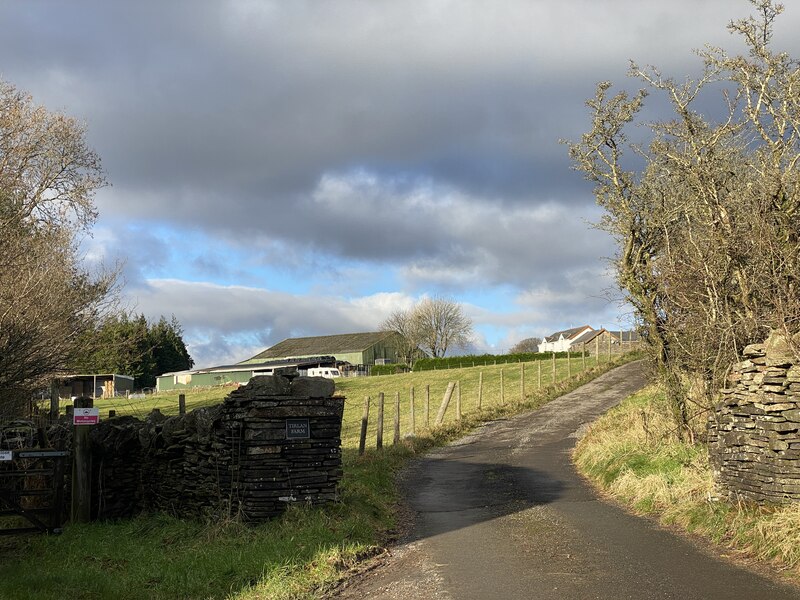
569 334
325 344
626 336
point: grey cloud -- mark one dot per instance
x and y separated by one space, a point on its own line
192 103
216 317
439 125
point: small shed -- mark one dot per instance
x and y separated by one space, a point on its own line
100 385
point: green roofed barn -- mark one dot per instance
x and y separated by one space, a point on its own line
378 347
359 349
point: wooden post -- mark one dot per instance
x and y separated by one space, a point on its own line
597 350
480 389
458 400
181 404
522 382
569 365
445 401
502 389
539 374
554 366
81 468
396 438
362 440
427 406
609 346
583 357
379 440
412 418
54 399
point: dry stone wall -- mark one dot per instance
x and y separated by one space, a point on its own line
270 443
754 434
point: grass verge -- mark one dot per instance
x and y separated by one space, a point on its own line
632 454
300 555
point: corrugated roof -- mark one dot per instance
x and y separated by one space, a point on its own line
324 344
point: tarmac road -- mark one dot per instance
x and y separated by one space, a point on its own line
502 514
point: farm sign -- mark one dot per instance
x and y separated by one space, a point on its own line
86 416
298 429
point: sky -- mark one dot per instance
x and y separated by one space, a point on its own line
298 168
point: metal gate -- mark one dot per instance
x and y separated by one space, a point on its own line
32 487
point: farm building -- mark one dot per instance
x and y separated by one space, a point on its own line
355 348
106 385
567 340
578 338
238 373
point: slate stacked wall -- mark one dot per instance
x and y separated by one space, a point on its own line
754 435
230 459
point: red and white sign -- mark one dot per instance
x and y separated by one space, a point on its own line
86 416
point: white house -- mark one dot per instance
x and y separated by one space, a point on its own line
569 339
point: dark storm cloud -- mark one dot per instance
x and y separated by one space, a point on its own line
211 91
241 118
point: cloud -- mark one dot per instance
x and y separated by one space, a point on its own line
280 168
231 323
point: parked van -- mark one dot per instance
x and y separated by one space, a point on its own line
329 372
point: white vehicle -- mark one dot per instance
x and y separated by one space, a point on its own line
328 372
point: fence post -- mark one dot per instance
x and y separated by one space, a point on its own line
522 382
597 350
181 404
539 374
583 357
554 366
412 416
569 365
362 439
502 389
379 440
54 400
609 347
445 401
81 511
480 389
458 400
396 438
428 406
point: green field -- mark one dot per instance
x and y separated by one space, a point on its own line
538 377
300 555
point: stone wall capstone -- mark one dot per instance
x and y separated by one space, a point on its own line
754 433
236 458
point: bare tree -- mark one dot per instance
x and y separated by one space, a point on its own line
708 229
526 345
402 323
430 327
48 176
440 324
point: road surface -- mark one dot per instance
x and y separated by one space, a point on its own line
502 514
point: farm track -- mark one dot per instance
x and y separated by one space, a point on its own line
502 513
